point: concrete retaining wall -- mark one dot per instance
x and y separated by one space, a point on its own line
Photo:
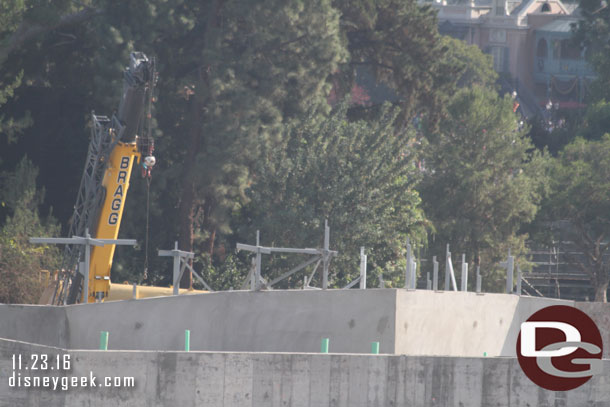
277 321
462 324
265 379
35 324
600 314
404 322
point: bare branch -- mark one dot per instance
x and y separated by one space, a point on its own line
283 44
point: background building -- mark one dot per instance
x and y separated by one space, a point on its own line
531 48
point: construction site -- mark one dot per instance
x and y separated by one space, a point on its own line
250 348
435 342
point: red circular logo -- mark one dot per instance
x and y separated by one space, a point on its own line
559 348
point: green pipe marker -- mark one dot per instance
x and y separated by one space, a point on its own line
324 345
187 340
375 348
104 340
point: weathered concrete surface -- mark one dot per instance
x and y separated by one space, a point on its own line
600 314
462 324
229 321
35 324
281 379
276 321
404 322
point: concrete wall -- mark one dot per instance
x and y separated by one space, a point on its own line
600 314
462 324
35 324
276 321
404 322
265 379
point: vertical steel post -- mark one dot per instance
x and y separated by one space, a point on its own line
518 280
510 269
176 271
478 279
362 268
449 273
252 274
135 291
179 265
408 271
81 269
325 255
464 273
413 274
435 274
447 268
87 266
428 281
257 271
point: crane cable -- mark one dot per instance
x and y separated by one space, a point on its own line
145 276
148 125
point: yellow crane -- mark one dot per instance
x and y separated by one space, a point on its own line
116 145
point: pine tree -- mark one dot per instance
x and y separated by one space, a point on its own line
240 71
483 182
398 41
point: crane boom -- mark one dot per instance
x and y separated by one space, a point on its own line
114 147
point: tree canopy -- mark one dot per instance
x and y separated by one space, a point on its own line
399 41
581 195
483 180
20 262
593 32
251 133
359 175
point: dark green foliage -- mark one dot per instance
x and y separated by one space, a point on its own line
483 181
21 262
10 127
596 122
226 274
399 41
581 195
228 80
237 79
473 67
565 125
358 175
11 14
592 32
